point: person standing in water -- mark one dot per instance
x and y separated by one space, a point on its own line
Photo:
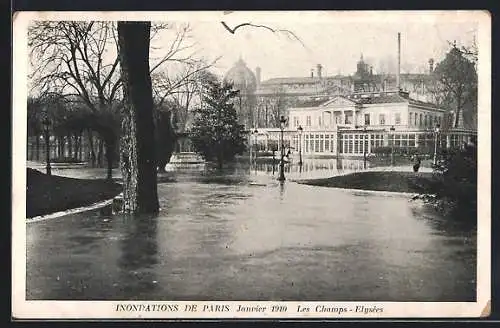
416 165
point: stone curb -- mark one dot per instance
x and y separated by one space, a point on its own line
55 215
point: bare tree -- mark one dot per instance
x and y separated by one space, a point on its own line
271 107
80 60
73 59
286 32
456 78
181 87
174 96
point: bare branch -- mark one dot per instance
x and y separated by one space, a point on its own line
287 32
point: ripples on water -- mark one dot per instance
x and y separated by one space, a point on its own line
244 236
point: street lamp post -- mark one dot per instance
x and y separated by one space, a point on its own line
365 145
255 143
250 145
436 133
299 129
392 145
46 125
282 162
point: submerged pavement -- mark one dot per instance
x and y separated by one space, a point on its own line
243 236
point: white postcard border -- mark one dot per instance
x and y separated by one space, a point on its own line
23 309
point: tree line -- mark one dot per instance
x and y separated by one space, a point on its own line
77 84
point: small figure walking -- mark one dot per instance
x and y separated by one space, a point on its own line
416 165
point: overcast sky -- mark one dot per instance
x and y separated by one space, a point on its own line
333 39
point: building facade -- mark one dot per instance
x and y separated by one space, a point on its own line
261 103
358 124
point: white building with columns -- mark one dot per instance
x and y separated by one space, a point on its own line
358 123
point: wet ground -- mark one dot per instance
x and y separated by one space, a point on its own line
244 236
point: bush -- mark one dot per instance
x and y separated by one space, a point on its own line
403 151
455 183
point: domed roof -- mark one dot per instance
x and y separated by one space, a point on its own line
242 77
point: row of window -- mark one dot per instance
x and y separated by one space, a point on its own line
348 119
424 120
357 143
319 143
415 119
353 143
382 119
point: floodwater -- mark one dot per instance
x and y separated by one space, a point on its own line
244 236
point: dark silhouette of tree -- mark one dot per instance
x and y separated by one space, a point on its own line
165 133
35 128
79 60
174 97
137 151
216 133
454 186
456 78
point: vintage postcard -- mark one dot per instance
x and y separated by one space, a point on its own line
197 165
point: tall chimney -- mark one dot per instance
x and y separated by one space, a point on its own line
431 66
312 72
318 69
257 75
398 84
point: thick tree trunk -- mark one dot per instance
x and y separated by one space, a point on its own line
59 147
220 162
457 118
80 146
100 152
91 146
109 160
137 150
37 145
70 146
76 148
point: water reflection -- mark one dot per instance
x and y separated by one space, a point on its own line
282 189
139 255
239 234
320 167
455 222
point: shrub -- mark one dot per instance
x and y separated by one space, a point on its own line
455 184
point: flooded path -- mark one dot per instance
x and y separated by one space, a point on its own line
243 236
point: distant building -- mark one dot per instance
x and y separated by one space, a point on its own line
245 81
358 123
261 103
348 115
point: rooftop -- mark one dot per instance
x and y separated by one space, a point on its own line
312 102
368 98
387 98
374 77
294 80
